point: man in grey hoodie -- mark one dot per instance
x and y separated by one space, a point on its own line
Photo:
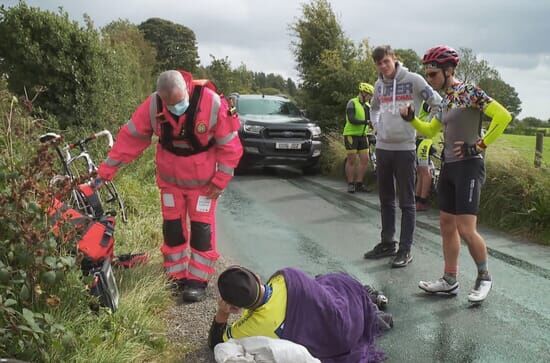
395 150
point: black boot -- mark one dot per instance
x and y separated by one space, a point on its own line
176 287
194 291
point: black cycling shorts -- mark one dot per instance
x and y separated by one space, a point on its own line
459 187
353 143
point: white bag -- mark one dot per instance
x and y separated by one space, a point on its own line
262 350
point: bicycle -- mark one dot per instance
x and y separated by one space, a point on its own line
108 194
371 137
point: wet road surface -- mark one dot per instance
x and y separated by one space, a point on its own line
281 219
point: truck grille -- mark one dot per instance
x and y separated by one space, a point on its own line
287 134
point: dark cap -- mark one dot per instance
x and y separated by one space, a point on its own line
239 286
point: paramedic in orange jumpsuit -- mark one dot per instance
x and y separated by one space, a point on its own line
197 152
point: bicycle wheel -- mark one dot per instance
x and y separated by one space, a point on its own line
110 195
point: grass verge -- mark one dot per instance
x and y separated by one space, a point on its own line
515 197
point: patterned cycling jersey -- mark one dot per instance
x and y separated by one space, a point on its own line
460 112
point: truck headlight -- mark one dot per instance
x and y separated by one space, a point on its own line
253 129
315 131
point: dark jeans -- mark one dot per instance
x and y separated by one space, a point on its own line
402 166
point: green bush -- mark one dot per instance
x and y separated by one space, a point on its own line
523 130
45 313
86 79
333 157
35 264
516 198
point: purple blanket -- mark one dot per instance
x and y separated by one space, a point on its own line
331 316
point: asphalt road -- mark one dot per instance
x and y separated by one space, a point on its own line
270 221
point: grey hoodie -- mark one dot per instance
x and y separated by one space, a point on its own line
389 95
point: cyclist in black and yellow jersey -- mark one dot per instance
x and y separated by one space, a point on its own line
424 151
333 315
463 170
355 137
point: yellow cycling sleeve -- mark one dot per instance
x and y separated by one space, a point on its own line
428 129
500 118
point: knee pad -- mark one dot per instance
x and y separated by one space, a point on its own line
201 234
173 232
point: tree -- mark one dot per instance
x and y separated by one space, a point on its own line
176 44
291 87
221 74
242 80
479 72
533 122
275 81
472 70
90 79
139 54
245 79
410 59
503 93
43 49
318 31
328 63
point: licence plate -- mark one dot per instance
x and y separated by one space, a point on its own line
288 145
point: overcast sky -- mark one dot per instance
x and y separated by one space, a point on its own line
512 35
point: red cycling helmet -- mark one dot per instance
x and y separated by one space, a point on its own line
440 56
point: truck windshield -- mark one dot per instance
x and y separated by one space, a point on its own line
267 107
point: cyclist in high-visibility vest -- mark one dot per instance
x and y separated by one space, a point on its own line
355 138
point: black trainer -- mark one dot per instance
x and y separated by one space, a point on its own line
385 320
351 188
377 297
383 249
402 259
361 188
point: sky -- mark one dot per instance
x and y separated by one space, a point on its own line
513 36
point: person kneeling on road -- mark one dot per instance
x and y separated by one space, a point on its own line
333 315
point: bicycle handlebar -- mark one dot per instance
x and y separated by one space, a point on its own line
51 136
106 133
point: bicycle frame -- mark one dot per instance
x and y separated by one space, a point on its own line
371 137
77 198
435 171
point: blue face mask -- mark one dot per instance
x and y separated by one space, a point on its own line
179 108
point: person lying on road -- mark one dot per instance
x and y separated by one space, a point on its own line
333 315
